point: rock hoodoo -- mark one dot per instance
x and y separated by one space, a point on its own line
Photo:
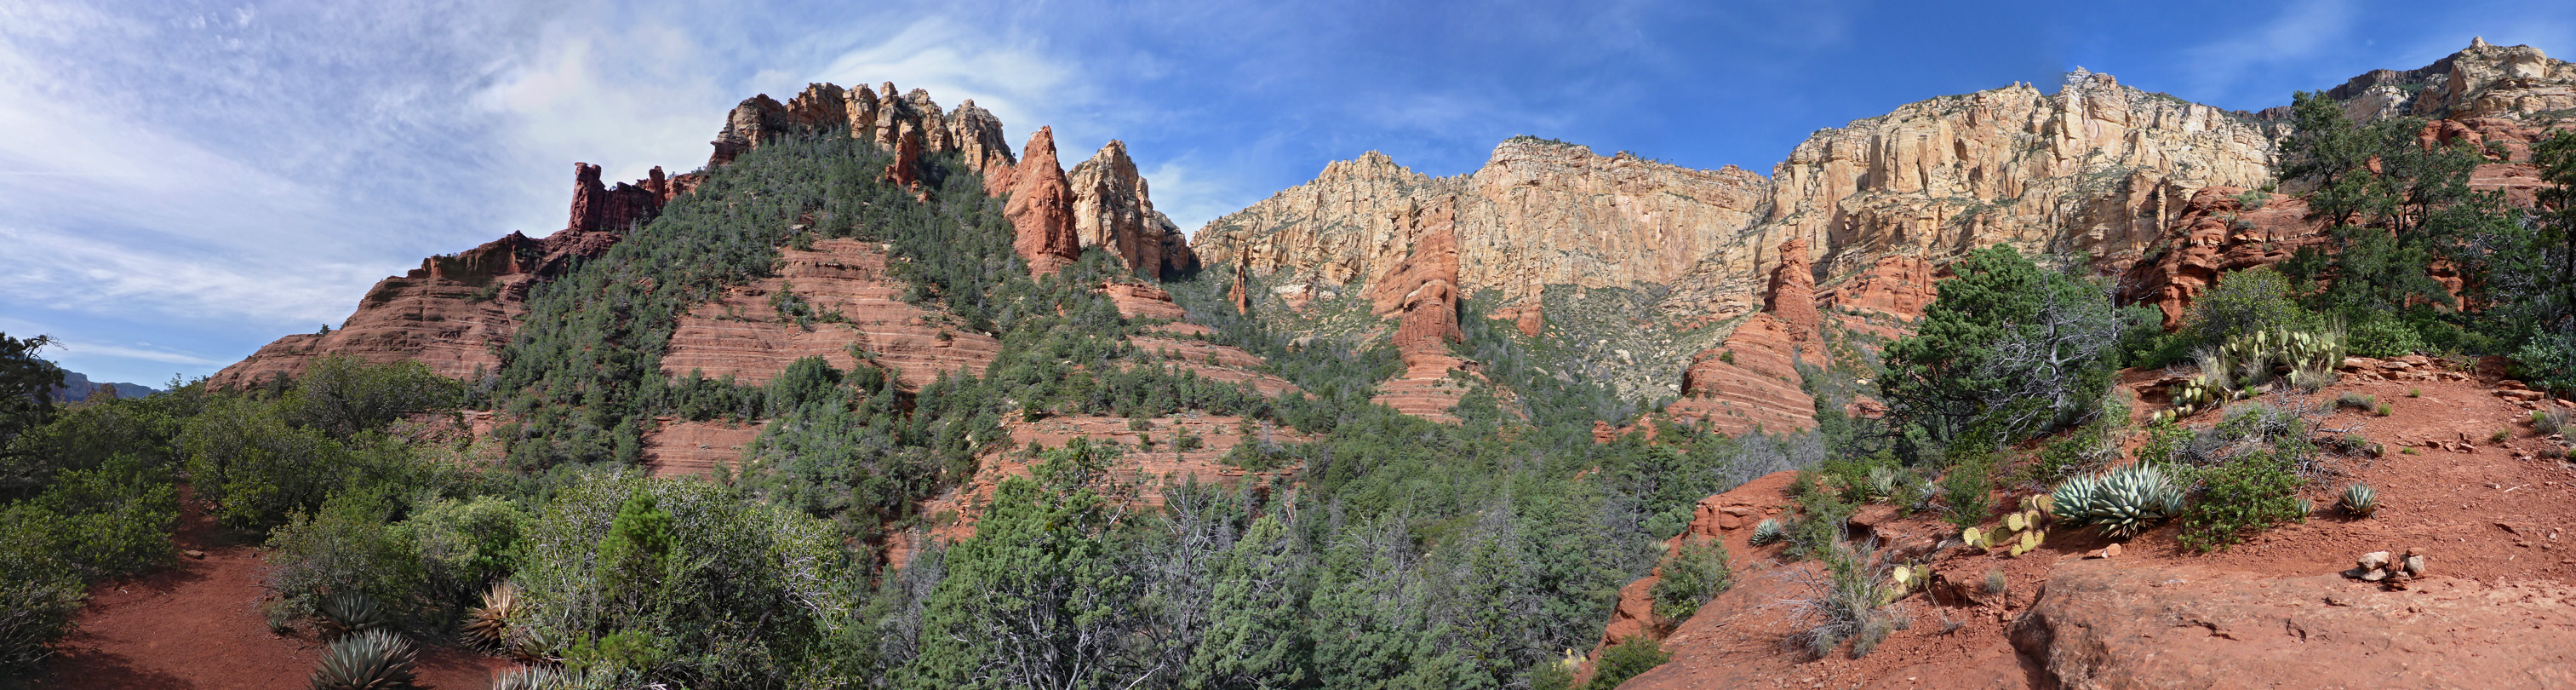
1111 210
1792 294
1041 208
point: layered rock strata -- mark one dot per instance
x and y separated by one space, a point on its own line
2096 167
2483 80
1538 213
1750 382
454 311
744 336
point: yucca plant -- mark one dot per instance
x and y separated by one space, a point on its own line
349 613
2361 500
536 678
537 644
1882 483
373 660
1770 531
2122 501
488 626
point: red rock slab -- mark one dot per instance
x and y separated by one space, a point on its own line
683 448
1425 389
1153 470
1212 361
744 336
2105 624
1760 387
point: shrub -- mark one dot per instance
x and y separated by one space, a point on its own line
344 548
2245 302
109 521
1842 602
2549 421
38 594
2123 501
1692 575
2358 401
2548 362
2385 409
2245 495
1966 485
2381 335
1622 661
464 546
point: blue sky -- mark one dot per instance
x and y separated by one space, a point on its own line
181 182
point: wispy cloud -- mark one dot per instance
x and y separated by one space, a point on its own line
2291 39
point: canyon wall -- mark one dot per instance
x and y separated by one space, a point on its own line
1538 213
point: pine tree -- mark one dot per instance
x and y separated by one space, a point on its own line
1253 638
1034 599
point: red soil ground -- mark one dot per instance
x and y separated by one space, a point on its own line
2493 516
196 625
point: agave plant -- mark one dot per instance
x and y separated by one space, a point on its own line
488 626
2359 499
537 644
1770 531
537 678
349 613
372 660
2123 501
1882 482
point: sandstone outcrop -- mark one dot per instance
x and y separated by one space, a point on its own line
1538 213
2217 234
1041 208
2482 80
2097 167
742 335
1792 294
1896 286
880 116
2101 625
1749 382
1721 519
454 311
1112 211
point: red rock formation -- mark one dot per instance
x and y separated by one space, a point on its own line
905 170
977 136
2104 624
1112 211
2217 234
1750 381
741 335
1792 293
818 106
680 448
1041 208
1721 518
1240 294
453 311
1898 286
1422 294
753 122
1530 319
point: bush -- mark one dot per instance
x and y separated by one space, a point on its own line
2247 301
465 546
1966 485
2548 362
106 522
345 547
38 594
2245 495
2383 335
1842 603
1625 660
1692 575
257 468
2549 421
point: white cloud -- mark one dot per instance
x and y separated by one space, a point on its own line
1023 84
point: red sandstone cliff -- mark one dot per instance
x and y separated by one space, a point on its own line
453 311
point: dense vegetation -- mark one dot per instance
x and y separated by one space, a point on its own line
1390 552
